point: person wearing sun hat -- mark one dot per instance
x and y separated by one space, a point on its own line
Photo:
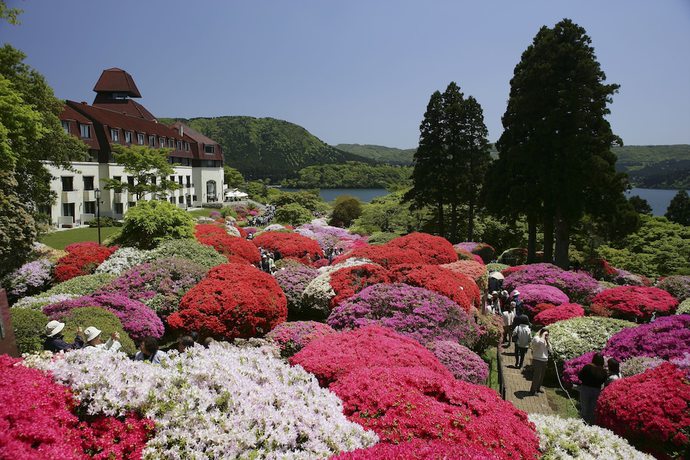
55 341
93 339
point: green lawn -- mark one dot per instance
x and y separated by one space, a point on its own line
205 212
59 240
560 404
490 357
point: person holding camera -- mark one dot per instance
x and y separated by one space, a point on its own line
540 358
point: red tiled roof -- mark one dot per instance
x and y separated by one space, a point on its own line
127 106
116 80
198 140
75 118
195 135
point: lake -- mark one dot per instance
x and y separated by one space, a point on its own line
657 199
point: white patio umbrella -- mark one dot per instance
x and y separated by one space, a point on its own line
496 275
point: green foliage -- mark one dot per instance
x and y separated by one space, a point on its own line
655 166
350 175
640 205
105 221
679 208
309 199
9 14
188 249
381 237
28 326
232 177
293 214
266 147
658 248
389 214
17 227
380 153
151 222
63 238
149 167
347 208
19 123
81 285
101 319
496 267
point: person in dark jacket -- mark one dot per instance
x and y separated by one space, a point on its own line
55 341
592 377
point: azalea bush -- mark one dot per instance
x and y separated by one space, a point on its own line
103 320
571 439
30 278
633 303
651 410
81 259
578 286
317 295
238 402
490 331
683 307
159 284
38 302
293 279
666 338
471 268
418 449
150 223
188 249
560 313
81 285
676 285
462 362
293 336
331 237
577 336
137 319
231 247
625 278
290 245
534 294
572 367
123 259
234 300
639 364
348 281
459 288
411 311
415 248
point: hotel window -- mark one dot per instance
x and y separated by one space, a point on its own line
65 126
88 182
171 143
162 142
180 199
67 183
179 180
115 135
179 145
186 146
128 137
117 178
119 208
140 138
131 204
85 131
153 180
172 178
152 141
89 207
130 181
209 148
172 199
189 181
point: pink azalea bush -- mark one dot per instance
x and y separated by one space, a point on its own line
578 286
293 336
534 294
666 338
462 362
293 279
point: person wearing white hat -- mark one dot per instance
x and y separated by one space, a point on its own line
515 297
93 339
55 341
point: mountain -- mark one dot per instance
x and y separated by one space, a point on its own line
655 166
266 147
390 155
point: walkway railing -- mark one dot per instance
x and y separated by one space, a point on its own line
501 379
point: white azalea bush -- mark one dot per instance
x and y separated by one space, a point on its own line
220 402
572 439
38 302
576 336
319 292
122 260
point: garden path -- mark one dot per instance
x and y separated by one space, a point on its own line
517 383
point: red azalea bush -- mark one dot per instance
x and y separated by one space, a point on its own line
334 356
485 251
383 255
432 250
202 230
561 312
231 247
458 287
108 438
511 270
540 307
81 259
401 404
417 449
651 410
232 301
292 245
348 281
633 303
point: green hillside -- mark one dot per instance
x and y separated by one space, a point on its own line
655 166
266 147
390 155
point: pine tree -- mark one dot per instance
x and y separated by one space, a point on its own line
679 208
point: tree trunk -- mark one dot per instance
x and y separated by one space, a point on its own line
470 221
441 227
531 239
453 222
562 243
548 238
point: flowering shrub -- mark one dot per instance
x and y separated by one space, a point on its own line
638 365
599 268
293 279
231 246
293 336
38 302
336 355
534 294
571 439
81 285
232 301
159 284
471 268
348 281
274 228
188 249
401 404
291 245
110 438
81 259
417 449
665 338
431 250
578 286
316 298
633 303
572 367
490 331
651 410
29 279
538 308
137 319
220 402
411 311
485 251
123 259
678 286
331 237
462 362
683 307
384 255
625 278
576 336
458 287
560 313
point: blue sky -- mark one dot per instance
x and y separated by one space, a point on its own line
357 71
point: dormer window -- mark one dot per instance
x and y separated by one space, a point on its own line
85 131
179 145
152 141
171 143
65 126
209 148
140 138
115 135
128 137
162 142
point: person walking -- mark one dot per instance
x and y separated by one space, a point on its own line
592 376
55 341
508 318
93 339
522 336
540 358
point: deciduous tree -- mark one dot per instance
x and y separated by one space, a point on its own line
149 167
679 208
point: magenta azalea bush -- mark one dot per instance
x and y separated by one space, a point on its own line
462 362
159 284
578 286
412 311
666 338
293 336
534 294
573 366
293 279
137 319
